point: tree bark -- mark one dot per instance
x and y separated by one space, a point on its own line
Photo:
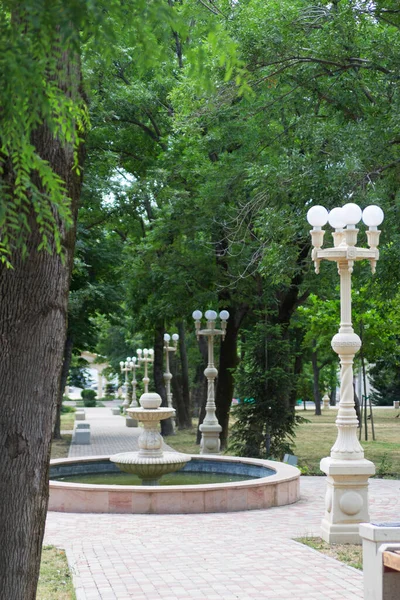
317 394
33 321
187 421
69 344
357 405
228 361
181 418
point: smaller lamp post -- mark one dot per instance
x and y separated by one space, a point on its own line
125 368
168 374
210 428
130 421
145 356
135 365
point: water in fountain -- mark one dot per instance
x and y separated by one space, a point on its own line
150 462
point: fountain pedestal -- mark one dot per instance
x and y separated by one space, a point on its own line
150 462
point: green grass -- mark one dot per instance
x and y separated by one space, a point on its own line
55 580
184 441
68 421
60 448
315 439
350 554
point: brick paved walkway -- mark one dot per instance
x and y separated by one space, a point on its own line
234 556
108 434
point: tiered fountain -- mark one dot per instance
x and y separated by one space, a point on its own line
150 462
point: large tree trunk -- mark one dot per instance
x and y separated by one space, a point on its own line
69 344
33 322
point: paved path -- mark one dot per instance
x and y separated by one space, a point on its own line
108 434
234 556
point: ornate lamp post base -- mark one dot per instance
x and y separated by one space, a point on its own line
210 442
346 499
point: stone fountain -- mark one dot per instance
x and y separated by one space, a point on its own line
150 462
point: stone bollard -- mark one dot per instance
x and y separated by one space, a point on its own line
325 401
129 422
80 415
115 410
81 433
379 583
396 404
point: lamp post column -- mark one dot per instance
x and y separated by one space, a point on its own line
210 428
346 344
134 402
145 356
346 499
168 375
125 368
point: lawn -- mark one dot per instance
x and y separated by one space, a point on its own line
315 439
68 421
184 441
55 580
350 554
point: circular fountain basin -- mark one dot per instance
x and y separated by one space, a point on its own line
272 484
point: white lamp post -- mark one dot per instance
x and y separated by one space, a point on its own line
145 356
135 365
346 500
168 374
125 368
210 428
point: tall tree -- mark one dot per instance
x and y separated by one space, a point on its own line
40 179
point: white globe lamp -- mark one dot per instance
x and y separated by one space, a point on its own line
373 216
352 214
336 218
317 216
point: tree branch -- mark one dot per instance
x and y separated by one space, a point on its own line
154 136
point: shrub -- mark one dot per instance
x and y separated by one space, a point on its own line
110 389
67 409
265 422
88 397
